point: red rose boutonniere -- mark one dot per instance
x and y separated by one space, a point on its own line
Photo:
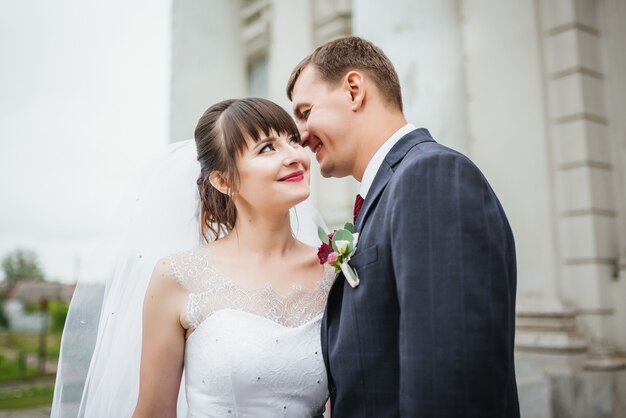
336 250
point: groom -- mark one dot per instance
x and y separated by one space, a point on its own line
429 330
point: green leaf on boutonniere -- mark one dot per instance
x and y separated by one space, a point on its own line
323 235
340 237
349 227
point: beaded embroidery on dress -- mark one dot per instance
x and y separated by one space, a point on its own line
252 352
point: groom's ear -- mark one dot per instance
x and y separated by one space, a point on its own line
355 85
218 181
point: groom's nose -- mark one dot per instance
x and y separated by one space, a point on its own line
304 134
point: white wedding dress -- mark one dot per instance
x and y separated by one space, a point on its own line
252 353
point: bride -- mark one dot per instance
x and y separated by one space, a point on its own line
236 319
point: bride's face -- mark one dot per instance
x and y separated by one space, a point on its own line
273 173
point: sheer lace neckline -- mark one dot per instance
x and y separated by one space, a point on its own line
210 291
265 287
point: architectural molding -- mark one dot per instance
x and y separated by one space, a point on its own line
255 27
573 26
331 20
548 325
600 165
577 261
605 359
577 70
582 116
573 213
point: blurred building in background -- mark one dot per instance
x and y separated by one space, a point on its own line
533 91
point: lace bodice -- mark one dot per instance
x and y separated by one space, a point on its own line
252 352
211 291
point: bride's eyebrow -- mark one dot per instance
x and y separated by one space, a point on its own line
264 141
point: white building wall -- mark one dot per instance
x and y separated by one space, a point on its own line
291 41
508 134
423 40
207 60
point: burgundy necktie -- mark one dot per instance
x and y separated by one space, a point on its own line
357 206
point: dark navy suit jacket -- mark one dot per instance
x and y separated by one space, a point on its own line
429 331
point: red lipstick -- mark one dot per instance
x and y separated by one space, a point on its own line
295 176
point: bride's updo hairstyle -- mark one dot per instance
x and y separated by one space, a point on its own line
221 136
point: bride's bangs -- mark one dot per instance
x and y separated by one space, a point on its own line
256 118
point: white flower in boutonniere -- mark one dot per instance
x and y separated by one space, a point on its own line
336 250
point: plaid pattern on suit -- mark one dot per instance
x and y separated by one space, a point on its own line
429 331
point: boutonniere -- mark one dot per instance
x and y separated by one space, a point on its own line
336 250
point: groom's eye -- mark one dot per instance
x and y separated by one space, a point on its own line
305 114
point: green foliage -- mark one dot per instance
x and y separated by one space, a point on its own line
28 342
26 397
323 236
343 235
4 321
33 307
11 369
22 385
58 313
20 265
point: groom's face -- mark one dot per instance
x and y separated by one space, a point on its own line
323 116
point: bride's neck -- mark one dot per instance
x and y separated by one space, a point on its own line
262 235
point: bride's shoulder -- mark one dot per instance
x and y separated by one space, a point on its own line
163 281
307 254
310 259
183 267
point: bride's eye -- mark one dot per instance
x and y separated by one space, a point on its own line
295 140
267 148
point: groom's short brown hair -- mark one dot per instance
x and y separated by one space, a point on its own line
335 58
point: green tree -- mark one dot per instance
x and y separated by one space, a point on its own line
4 321
21 264
58 313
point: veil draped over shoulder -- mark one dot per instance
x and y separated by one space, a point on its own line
98 370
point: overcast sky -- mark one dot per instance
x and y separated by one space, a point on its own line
84 92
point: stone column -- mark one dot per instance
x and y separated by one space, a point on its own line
207 60
423 41
292 40
612 18
579 129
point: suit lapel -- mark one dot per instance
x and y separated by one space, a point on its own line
387 168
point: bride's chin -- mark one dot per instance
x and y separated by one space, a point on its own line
301 198
291 203
279 201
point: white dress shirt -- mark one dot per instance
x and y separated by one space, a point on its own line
379 157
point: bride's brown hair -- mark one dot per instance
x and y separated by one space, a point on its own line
221 135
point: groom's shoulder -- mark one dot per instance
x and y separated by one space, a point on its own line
436 164
433 154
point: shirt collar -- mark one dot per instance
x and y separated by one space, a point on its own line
379 157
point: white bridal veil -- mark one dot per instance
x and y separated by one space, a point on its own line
98 371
